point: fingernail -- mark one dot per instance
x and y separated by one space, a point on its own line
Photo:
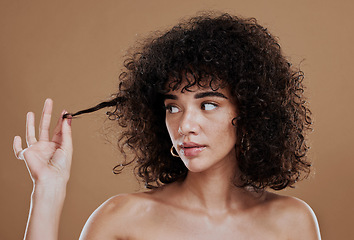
64 114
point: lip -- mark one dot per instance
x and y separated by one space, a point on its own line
191 149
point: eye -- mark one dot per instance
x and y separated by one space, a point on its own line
208 106
172 109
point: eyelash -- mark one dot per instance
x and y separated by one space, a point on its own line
170 106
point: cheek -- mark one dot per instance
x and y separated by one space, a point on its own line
171 128
232 133
224 131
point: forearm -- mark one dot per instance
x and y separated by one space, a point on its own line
47 201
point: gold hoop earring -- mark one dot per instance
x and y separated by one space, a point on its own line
172 153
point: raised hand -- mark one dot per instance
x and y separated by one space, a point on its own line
47 160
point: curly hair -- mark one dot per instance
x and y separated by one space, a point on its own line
230 51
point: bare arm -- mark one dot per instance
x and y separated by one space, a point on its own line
309 228
299 220
109 221
48 162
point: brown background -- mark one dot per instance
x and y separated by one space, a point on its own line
72 50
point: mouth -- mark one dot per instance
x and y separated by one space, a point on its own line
191 149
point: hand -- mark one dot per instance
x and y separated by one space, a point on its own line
47 161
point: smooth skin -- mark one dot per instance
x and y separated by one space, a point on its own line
206 205
48 162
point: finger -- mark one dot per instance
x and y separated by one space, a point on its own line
45 120
30 129
66 135
17 146
57 130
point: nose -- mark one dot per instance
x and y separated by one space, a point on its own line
189 123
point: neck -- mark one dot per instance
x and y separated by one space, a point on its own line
208 192
213 190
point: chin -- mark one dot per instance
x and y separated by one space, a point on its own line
195 167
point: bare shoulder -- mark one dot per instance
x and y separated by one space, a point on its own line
293 216
118 217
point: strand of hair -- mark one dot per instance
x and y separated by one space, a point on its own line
99 106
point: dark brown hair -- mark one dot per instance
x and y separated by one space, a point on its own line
273 115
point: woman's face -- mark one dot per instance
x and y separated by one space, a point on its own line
200 126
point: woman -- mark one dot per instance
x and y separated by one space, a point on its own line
214 116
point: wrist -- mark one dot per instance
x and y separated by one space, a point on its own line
47 201
55 190
50 183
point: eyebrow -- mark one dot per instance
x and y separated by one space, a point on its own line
198 95
209 94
